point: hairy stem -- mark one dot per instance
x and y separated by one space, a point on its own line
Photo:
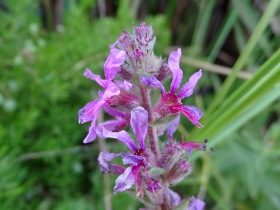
152 136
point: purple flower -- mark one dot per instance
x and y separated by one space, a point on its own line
139 124
174 198
90 111
170 101
196 204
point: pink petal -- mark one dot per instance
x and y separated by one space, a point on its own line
172 127
123 136
192 113
123 84
139 124
111 90
113 62
90 111
96 78
114 112
153 82
91 136
104 159
124 181
173 63
133 159
187 89
111 125
174 198
196 204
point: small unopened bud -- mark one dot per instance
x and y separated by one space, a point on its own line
171 154
124 101
145 37
164 73
179 171
127 43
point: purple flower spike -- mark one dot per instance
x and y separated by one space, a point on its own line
139 124
196 204
115 59
134 76
173 63
187 89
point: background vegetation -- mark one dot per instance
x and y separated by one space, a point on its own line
45 47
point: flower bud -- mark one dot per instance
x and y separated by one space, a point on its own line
145 38
171 154
179 171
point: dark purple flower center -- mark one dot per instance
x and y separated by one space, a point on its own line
140 152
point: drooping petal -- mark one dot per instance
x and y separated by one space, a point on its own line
91 136
172 127
192 113
152 82
114 112
139 124
196 204
125 180
111 125
111 90
123 136
173 63
104 159
187 89
133 159
113 62
90 110
96 78
174 198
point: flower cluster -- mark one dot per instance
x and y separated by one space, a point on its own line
133 94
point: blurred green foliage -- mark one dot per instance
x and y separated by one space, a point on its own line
43 163
42 88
